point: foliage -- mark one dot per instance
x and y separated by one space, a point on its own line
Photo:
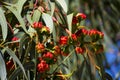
42 40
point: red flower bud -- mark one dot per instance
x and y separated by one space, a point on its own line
15 39
63 40
57 50
74 37
74 20
37 25
40 47
81 15
48 55
40 25
79 50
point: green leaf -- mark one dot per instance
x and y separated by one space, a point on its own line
19 5
36 15
52 8
63 5
29 19
2 68
3 24
16 10
16 73
69 21
48 21
23 41
12 54
54 35
31 30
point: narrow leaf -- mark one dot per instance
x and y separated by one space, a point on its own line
19 5
12 54
29 19
69 21
27 66
18 16
2 68
36 16
3 24
52 8
63 5
48 21
23 41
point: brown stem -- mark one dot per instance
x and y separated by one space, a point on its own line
10 27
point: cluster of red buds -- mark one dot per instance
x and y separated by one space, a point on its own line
39 25
63 40
79 50
78 39
40 47
46 59
95 32
42 66
74 37
48 55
